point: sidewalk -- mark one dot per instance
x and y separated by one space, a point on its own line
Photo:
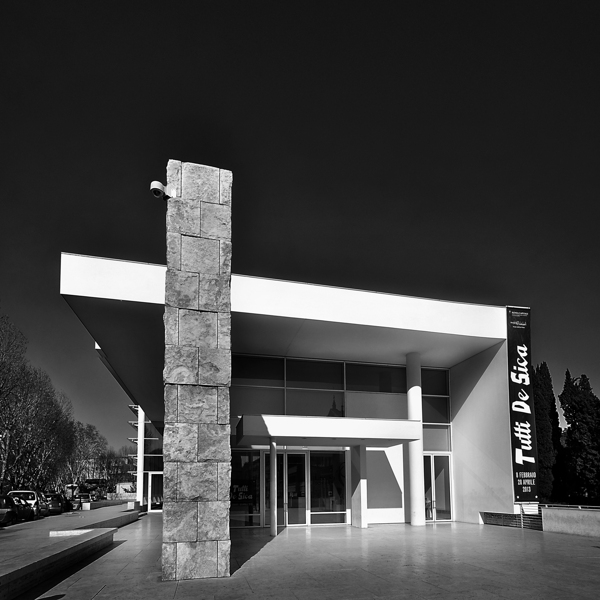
23 537
390 562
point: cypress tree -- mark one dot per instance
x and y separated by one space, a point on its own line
581 409
545 413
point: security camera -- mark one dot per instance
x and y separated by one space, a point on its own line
158 190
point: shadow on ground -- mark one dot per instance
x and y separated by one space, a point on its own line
246 543
43 587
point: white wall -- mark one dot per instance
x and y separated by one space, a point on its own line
385 488
481 454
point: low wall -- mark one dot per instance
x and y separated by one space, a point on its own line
101 504
576 521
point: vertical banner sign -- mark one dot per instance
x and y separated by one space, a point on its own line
522 414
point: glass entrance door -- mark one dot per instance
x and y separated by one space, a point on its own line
291 489
437 487
155 491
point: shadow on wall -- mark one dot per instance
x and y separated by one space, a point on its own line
384 490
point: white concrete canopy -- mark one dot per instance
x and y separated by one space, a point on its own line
325 431
121 305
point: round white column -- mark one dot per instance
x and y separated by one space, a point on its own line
273 485
415 448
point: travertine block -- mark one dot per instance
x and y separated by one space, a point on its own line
223 406
170 403
181 364
183 216
197 482
214 367
224 330
224 558
200 182
197 560
180 521
171 321
174 177
180 442
197 404
224 481
170 481
199 255
181 289
214 293
174 251
226 184
197 329
215 221
213 442
213 521
169 561
225 250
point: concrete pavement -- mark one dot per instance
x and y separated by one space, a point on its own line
390 562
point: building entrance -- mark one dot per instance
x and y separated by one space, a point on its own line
437 487
291 488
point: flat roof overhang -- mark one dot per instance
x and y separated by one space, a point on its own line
121 304
255 430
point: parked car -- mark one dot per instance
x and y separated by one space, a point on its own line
44 506
56 504
32 498
25 511
9 513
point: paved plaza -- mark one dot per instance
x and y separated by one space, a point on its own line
455 560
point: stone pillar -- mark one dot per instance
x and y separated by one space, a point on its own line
358 471
197 373
141 437
415 447
273 485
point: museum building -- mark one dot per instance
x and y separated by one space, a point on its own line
287 404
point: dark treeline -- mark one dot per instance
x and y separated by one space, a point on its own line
42 446
569 459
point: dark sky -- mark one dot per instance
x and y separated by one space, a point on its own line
445 150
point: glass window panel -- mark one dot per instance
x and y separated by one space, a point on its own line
441 465
327 482
434 382
255 401
314 403
371 405
296 489
245 484
375 378
257 370
428 488
436 410
436 438
241 520
153 462
315 374
324 518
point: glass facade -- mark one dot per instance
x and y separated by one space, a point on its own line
285 386
311 483
311 487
